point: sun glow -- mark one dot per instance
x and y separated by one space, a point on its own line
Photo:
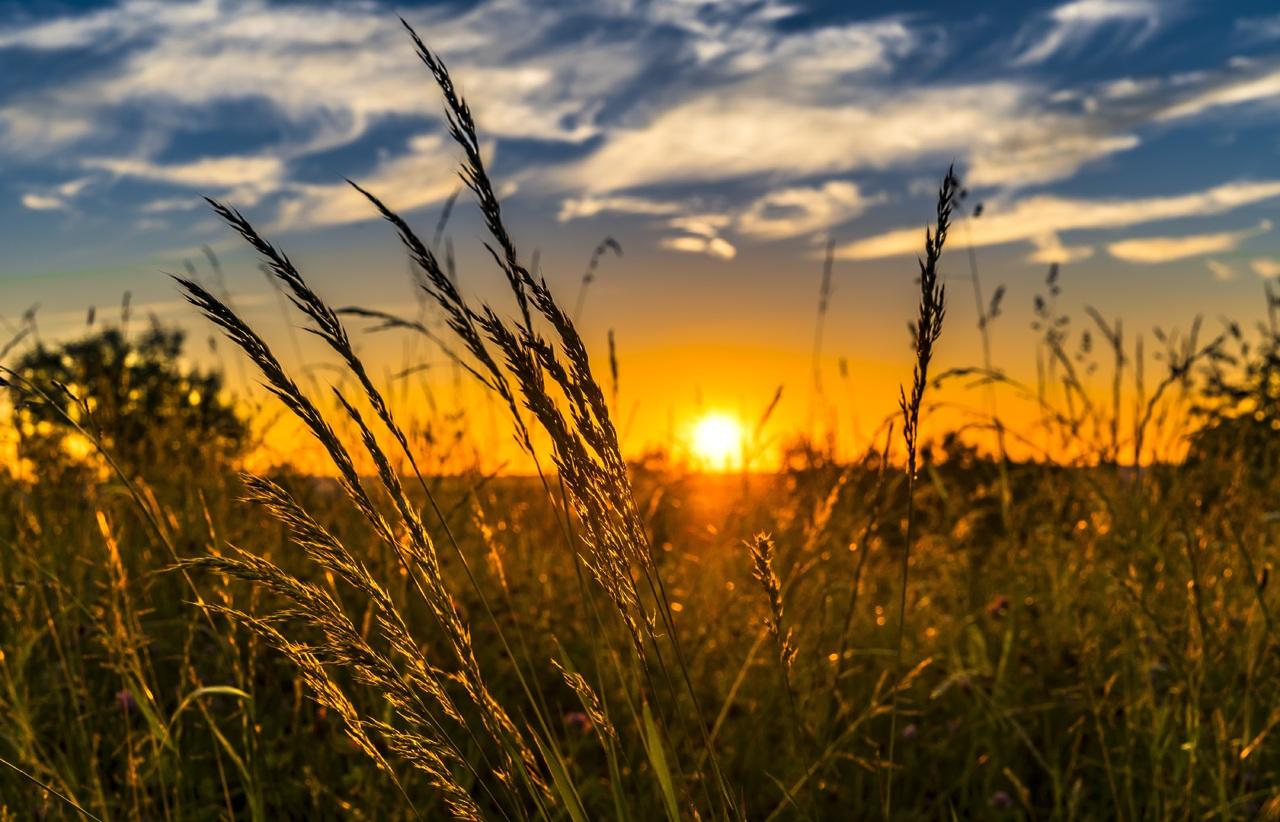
716 442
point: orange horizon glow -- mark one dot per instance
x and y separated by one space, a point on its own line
714 413
717 440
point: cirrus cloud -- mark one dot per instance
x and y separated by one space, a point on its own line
1167 249
1267 267
1069 27
692 244
1033 217
624 111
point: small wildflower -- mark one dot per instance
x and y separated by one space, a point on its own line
998 606
911 731
124 698
1001 799
596 719
578 721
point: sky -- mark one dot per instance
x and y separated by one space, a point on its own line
721 144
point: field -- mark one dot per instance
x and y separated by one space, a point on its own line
929 631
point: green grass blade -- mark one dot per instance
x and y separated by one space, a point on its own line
561 780
654 747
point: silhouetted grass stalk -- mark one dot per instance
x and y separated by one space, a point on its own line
927 329
589 276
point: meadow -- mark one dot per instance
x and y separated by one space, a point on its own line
932 630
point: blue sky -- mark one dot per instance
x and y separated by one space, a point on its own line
722 143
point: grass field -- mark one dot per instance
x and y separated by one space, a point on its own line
929 631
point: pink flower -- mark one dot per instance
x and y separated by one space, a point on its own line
124 698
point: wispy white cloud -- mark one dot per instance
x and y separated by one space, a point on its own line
703 225
1049 249
56 197
780 214
330 74
112 24
796 115
1248 87
792 212
32 130
1259 29
1008 137
1221 271
409 181
740 37
245 178
1268 267
418 177
579 208
334 72
713 246
1265 267
1040 153
814 58
336 68
701 235
42 202
1069 27
1034 217
1167 249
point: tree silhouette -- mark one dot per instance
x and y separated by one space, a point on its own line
1240 404
130 393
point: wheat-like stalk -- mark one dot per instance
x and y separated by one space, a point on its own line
762 552
417 555
530 371
424 744
926 330
550 376
589 276
590 701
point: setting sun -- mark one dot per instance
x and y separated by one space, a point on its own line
717 441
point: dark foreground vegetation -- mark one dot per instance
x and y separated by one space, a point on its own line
938 634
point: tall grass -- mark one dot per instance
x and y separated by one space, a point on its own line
529 372
926 330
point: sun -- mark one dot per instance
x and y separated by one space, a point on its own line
717 441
